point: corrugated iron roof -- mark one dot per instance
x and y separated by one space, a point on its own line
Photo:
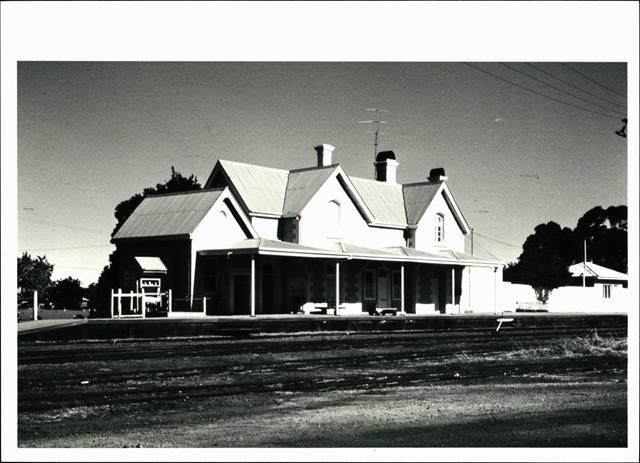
597 271
261 188
385 200
167 215
302 185
417 198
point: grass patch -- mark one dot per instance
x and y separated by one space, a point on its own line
592 344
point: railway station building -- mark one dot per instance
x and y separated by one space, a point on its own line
260 240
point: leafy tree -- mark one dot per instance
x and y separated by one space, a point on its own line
605 231
177 183
546 256
66 293
34 274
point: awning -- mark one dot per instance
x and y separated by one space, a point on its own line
267 247
151 264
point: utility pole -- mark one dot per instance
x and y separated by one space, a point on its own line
584 265
472 241
376 132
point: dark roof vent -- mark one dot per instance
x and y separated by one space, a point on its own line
385 155
437 175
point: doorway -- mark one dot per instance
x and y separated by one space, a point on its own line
383 288
241 294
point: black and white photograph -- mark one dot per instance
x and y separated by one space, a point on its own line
287 231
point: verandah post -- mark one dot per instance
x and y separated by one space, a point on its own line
453 288
111 303
119 302
402 289
253 285
35 304
170 300
337 286
204 305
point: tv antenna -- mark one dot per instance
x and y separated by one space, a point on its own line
376 132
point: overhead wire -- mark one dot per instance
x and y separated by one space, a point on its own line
67 248
574 86
513 68
497 241
46 222
594 81
541 94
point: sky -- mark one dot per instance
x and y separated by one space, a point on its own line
91 134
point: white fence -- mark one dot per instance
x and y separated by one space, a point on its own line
134 305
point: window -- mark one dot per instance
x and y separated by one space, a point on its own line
333 219
369 284
606 291
439 228
395 287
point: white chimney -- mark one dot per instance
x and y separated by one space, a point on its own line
324 154
386 166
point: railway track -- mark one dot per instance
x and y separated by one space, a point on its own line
52 376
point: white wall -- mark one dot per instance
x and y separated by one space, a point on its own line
482 290
313 226
266 227
425 233
589 299
218 226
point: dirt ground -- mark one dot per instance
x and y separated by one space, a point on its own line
328 390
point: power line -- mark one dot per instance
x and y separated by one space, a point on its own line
591 80
62 226
575 86
541 94
64 249
497 241
562 91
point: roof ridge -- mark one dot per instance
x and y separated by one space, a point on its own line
304 169
177 193
422 183
253 165
377 182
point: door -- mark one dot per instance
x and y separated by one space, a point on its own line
241 294
441 275
383 289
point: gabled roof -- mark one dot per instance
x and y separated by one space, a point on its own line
277 192
260 189
172 214
596 271
151 264
417 197
385 200
302 185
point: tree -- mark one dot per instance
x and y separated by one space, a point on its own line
546 256
177 183
66 293
34 274
605 231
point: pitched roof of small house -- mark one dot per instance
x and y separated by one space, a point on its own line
171 214
596 271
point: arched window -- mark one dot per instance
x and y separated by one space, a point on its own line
333 218
439 228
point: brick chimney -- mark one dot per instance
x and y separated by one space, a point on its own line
437 175
324 154
386 166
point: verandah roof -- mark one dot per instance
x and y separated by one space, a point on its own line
348 251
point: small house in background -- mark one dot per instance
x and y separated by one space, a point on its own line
261 240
